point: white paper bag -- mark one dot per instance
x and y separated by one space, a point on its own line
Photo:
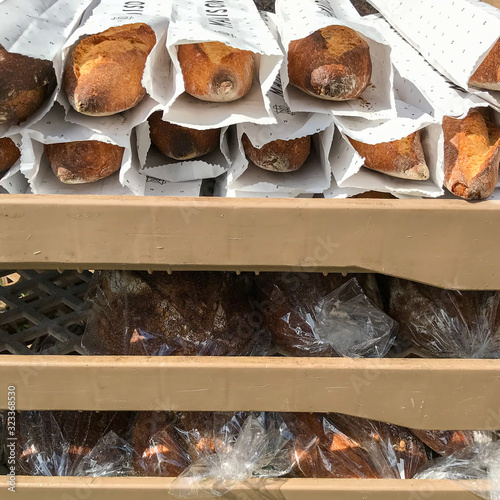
236 23
12 180
52 129
298 19
453 35
39 29
158 187
111 13
155 164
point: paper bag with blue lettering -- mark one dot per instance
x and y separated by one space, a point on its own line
298 19
237 24
114 13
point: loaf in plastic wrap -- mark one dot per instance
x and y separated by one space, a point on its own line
185 313
446 323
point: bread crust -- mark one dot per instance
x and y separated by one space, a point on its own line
25 83
278 155
215 72
9 153
471 155
82 162
332 63
403 158
181 143
487 75
104 73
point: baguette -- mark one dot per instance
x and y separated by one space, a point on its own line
332 63
9 153
82 162
279 156
403 158
215 72
471 155
25 83
104 73
181 143
487 75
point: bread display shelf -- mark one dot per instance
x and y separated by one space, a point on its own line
447 243
418 393
105 488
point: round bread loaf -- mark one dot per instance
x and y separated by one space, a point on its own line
25 83
279 156
104 73
487 75
9 153
215 72
81 162
181 143
332 63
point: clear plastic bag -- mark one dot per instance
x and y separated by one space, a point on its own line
185 313
446 323
309 314
339 446
72 444
260 447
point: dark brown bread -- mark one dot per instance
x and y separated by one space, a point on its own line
288 300
9 153
84 161
279 156
332 63
215 72
181 143
403 158
487 75
25 83
471 155
184 314
104 73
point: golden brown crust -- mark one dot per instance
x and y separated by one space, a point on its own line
332 63
279 156
9 153
215 72
471 155
181 143
104 73
487 75
447 443
81 162
403 158
25 83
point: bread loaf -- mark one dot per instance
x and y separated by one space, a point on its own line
181 143
457 443
215 72
104 73
471 155
25 83
9 153
403 158
84 161
183 314
487 75
279 156
332 63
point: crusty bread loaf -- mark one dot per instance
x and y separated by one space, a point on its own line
456 443
278 155
9 153
332 63
81 162
215 72
487 75
25 83
104 73
181 143
471 155
403 158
